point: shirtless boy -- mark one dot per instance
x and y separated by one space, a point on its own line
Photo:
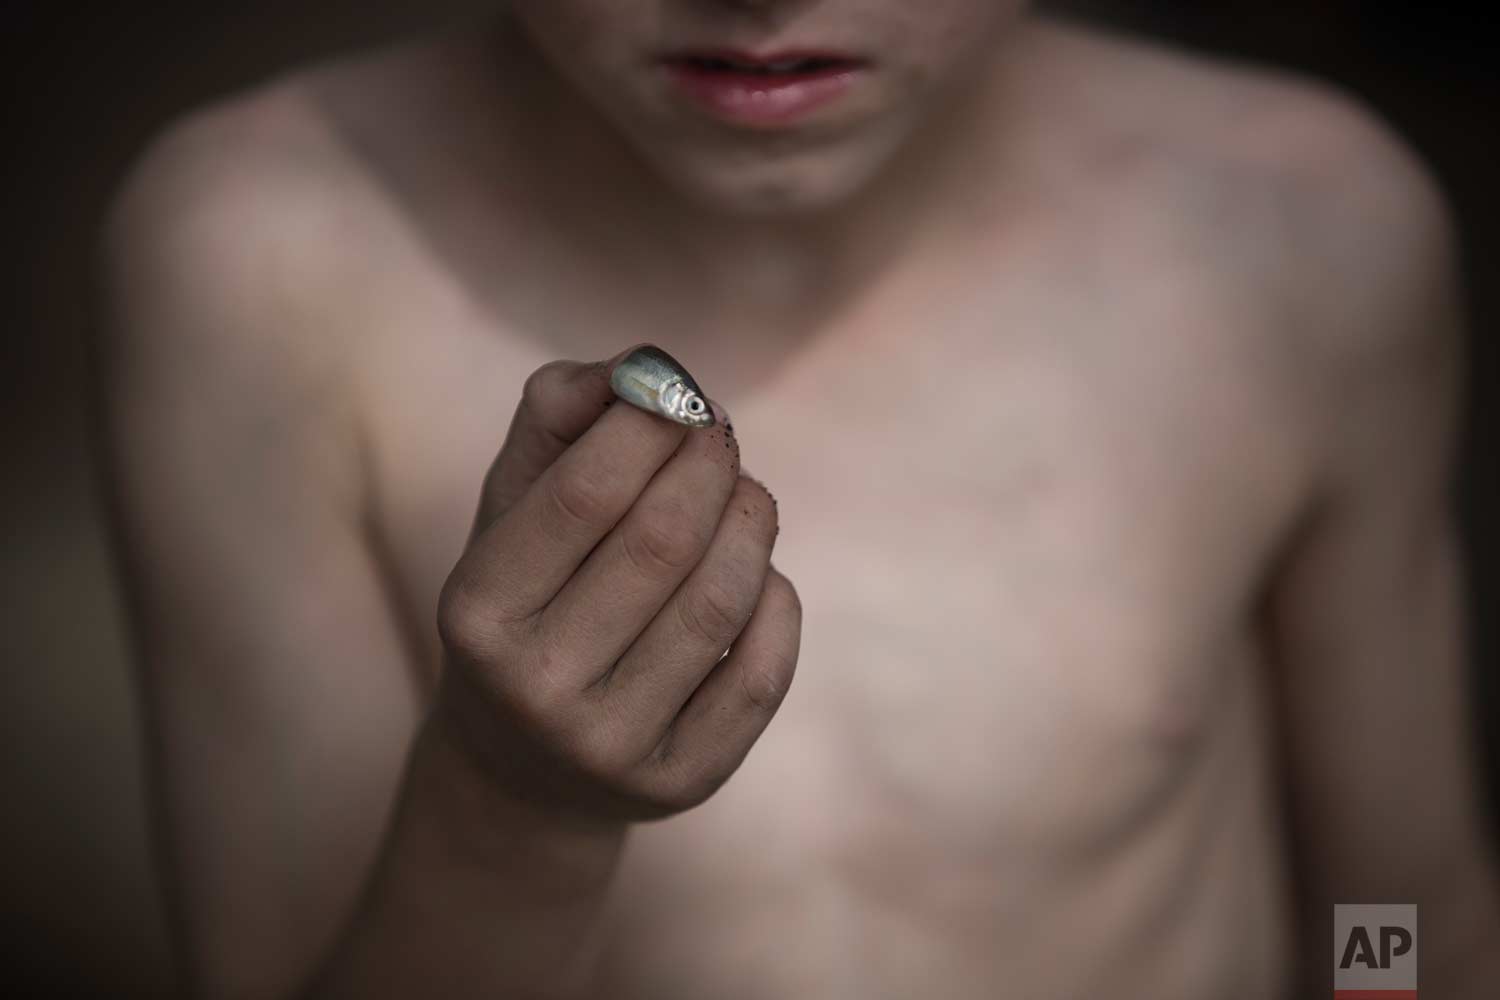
1107 395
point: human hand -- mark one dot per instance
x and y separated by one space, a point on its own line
615 557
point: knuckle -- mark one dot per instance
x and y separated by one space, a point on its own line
766 678
780 590
709 612
580 499
681 775
541 387
543 703
678 784
660 543
754 504
465 625
694 775
546 692
765 681
546 730
600 752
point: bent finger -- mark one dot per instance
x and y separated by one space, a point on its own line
662 668
731 708
559 403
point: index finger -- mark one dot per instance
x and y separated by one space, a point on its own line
516 564
559 402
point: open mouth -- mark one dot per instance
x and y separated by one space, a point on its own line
768 90
783 66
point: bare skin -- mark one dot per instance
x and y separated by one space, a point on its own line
1111 464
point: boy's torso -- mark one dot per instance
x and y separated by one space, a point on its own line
1031 482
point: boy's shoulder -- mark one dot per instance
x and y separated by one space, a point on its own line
1199 120
264 175
1285 181
255 231
242 263
1310 212
1292 183
1284 124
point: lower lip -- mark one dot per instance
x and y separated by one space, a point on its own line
761 99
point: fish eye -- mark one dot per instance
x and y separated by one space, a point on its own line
695 405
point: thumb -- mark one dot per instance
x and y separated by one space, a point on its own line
559 402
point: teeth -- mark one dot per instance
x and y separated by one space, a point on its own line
785 66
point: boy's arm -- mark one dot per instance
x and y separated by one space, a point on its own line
281 700
1366 614
315 831
278 691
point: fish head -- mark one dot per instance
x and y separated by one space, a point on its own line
685 404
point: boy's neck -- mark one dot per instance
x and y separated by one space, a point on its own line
786 268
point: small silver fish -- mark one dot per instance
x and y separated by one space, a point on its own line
651 379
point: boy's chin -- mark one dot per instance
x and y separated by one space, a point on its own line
769 189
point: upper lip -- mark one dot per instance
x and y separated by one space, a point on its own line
763 60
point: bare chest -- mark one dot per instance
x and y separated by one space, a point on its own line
1018 574
1002 540
1027 569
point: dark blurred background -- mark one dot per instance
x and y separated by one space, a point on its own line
87 87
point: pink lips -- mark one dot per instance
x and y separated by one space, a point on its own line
765 91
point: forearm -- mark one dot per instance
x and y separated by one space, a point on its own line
475 893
